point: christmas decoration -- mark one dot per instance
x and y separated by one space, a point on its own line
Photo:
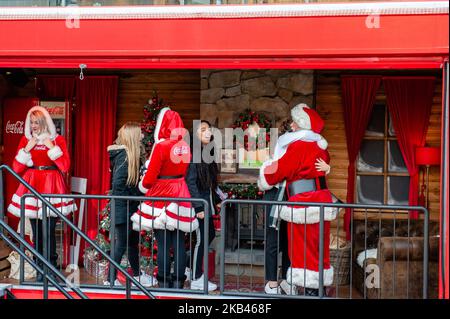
151 110
242 191
98 266
253 121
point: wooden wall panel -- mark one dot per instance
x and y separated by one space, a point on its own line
178 88
329 106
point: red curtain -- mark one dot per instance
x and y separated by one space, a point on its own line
56 86
409 100
95 122
358 97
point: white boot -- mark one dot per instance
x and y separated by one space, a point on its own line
288 288
271 291
146 280
116 283
198 284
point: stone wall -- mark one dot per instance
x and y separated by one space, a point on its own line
226 93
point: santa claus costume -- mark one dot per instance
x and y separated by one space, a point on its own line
42 168
294 162
166 169
165 177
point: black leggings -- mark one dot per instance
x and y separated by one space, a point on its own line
121 234
199 246
36 226
275 242
167 239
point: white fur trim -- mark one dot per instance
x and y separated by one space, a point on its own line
55 153
186 227
48 119
142 223
142 188
309 278
181 210
29 213
290 137
24 158
150 210
65 210
32 201
323 144
263 185
301 117
306 215
146 163
159 121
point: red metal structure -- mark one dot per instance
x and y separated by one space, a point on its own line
384 35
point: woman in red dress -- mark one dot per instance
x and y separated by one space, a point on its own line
166 170
41 159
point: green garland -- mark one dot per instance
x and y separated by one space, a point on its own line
247 118
242 191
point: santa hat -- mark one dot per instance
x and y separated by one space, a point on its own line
307 118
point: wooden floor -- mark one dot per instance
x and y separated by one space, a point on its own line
233 283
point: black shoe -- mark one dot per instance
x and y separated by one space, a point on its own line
178 284
164 283
311 292
39 277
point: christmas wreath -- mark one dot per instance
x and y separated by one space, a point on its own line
244 121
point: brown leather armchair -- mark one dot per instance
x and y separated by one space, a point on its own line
400 268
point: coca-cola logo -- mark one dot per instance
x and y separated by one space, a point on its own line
15 128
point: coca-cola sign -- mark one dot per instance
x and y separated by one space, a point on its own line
14 128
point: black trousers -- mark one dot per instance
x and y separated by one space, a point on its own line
167 239
199 246
126 240
276 241
36 226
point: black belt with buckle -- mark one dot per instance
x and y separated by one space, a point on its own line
307 185
170 177
44 168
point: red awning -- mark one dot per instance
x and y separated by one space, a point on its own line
400 35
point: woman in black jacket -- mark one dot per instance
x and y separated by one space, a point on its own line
202 183
125 163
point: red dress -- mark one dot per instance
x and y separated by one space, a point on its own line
165 177
303 222
44 181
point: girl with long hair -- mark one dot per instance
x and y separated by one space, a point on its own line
125 161
202 183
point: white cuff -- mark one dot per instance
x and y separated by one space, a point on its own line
142 188
263 185
24 158
55 153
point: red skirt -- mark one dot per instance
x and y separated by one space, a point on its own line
165 214
44 182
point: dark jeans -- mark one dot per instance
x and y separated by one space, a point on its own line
36 225
276 241
121 234
199 246
167 239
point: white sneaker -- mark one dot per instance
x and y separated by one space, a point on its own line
187 273
116 283
271 291
288 288
198 284
146 280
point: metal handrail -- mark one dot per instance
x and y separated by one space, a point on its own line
141 199
41 259
322 207
72 226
